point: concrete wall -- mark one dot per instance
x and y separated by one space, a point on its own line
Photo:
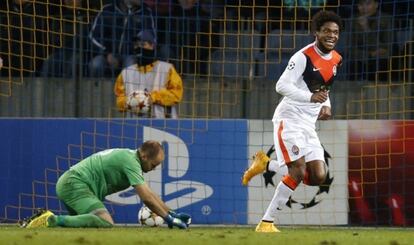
203 98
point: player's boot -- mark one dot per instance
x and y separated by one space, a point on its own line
259 164
266 227
39 219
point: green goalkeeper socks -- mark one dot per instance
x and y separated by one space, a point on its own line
78 221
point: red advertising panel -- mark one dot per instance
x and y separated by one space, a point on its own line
381 172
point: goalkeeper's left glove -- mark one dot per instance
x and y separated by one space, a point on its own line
186 218
172 221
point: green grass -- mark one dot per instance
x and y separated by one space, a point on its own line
205 235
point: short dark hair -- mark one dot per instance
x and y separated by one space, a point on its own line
324 16
150 148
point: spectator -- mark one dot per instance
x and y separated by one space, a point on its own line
64 61
23 29
163 12
371 41
1 63
148 73
112 32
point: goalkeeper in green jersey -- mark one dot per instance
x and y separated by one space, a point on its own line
84 186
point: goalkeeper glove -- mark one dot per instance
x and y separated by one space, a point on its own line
186 218
171 222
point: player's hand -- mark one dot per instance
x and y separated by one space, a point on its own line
325 113
319 96
186 218
171 222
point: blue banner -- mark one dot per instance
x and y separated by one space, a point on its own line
200 175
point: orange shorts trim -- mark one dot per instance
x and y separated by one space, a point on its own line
281 144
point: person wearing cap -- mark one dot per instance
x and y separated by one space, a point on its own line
112 33
158 77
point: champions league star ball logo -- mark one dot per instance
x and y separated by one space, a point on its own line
323 188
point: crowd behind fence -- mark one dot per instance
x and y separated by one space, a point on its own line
224 43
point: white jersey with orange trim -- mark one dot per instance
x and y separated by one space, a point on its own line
308 71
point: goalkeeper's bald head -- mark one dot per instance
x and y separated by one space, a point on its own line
151 154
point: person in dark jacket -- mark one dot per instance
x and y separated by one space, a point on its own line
112 34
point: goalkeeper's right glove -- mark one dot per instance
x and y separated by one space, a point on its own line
186 218
171 222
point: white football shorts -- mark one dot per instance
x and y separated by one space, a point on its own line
292 141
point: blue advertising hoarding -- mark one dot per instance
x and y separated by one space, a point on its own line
200 175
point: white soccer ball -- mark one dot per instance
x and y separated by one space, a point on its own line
148 218
139 102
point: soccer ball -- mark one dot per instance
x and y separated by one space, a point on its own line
148 218
139 102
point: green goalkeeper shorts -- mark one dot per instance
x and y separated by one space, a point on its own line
76 195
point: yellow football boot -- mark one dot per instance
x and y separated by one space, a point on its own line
258 166
39 219
266 227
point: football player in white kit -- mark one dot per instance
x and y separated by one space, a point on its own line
305 85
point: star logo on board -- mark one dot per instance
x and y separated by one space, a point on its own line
323 188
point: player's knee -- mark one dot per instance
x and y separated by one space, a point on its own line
297 170
319 177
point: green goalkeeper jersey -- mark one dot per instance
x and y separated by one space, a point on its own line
110 171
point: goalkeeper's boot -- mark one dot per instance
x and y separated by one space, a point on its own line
258 166
40 219
266 227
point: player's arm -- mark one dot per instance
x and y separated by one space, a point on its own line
160 202
151 200
183 216
286 85
325 112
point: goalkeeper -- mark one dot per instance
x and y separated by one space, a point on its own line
83 187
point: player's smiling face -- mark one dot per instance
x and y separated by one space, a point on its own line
327 36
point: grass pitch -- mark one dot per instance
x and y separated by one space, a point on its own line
205 235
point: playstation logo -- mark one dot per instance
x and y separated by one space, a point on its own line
170 181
